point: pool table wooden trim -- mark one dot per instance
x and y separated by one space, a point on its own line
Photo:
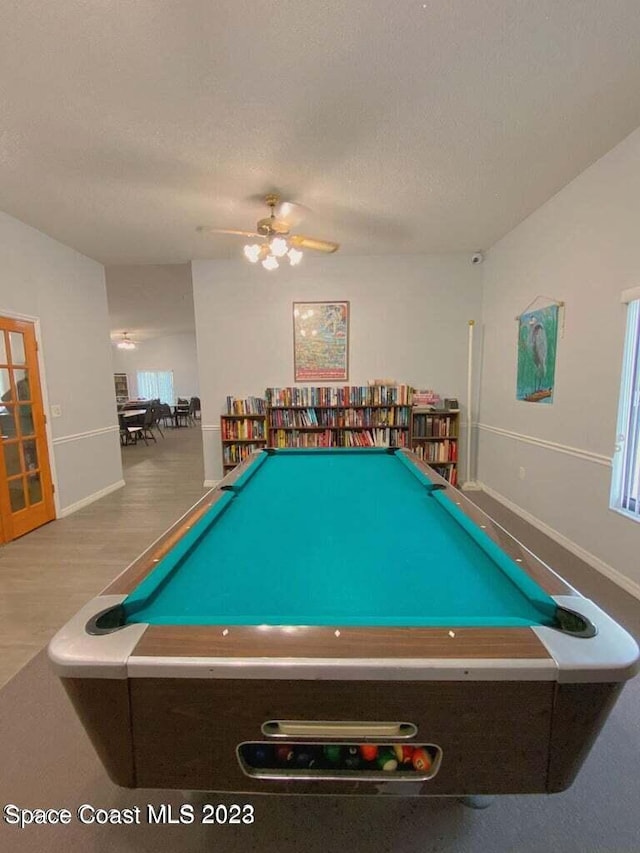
212 641
103 705
163 733
540 653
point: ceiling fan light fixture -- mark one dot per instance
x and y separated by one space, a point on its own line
126 343
295 256
278 241
279 247
252 253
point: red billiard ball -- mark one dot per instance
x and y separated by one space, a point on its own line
421 760
284 753
369 751
404 752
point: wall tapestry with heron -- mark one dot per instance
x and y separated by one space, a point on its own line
537 343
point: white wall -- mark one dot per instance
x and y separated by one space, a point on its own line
45 280
409 321
170 352
581 247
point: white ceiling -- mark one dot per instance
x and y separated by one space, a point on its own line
150 301
426 126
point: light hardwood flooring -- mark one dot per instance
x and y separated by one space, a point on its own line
46 576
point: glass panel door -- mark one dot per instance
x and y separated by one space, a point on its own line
26 494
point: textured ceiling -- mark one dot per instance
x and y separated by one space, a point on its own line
405 127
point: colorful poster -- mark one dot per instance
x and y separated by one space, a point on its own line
321 341
537 342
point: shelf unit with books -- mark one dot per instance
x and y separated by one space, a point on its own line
347 416
243 429
434 439
121 384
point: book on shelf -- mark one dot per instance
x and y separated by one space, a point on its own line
234 454
434 425
449 473
373 415
346 395
242 430
293 438
246 406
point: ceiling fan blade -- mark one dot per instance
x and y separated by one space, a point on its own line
292 212
302 242
205 229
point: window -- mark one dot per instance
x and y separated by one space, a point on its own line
625 491
156 385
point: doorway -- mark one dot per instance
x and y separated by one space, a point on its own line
26 490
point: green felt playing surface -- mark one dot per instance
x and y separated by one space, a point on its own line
337 538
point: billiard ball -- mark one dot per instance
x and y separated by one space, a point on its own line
404 752
284 753
333 753
386 760
352 758
304 757
421 760
258 754
369 751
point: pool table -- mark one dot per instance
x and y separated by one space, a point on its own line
341 621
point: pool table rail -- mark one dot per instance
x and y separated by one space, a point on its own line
550 581
139 650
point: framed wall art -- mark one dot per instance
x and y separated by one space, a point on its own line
321 341
537 344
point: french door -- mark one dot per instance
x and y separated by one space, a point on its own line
26 492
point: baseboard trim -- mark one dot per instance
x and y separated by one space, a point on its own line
68 510
595 562
210 484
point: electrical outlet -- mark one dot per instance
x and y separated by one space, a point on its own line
521 473
56 411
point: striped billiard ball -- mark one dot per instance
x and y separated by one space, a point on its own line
421 760
386 760
404 752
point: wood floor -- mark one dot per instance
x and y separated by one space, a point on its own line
46 576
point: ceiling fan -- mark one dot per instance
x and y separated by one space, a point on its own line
126 342
277 240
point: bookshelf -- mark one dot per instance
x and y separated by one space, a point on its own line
434 438
121 385
349 416
243 429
